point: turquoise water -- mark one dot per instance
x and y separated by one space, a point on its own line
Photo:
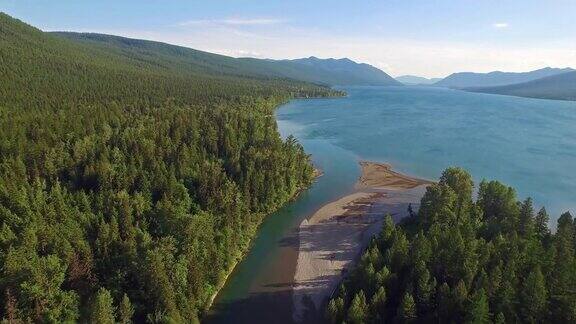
529 144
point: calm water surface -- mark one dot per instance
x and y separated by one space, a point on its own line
529 144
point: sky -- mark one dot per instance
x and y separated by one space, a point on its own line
430 38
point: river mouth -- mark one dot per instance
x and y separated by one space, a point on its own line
525 143
260 288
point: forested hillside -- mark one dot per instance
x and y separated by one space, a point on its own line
464 261
129 186
319 71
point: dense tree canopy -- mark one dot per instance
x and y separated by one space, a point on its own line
128 189
465 261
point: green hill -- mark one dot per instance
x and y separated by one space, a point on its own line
132 179
321 71
559 87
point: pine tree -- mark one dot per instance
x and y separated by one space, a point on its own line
102 311
526 227
461 183
388 229
478 311
125 310
378 304
500 319
332 312
563 279
541 224
438 206
425 287
460 297
533 296
444 303
407 309
358 311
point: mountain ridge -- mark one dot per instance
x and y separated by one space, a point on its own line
557 87
332 72
461 80
416 80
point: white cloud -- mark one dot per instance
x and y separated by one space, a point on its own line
234 22
500 25
248 53
234 52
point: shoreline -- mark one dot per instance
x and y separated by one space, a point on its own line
317 173
378 175
332 239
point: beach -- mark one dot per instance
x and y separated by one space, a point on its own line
330 240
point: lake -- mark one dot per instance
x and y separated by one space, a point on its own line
529 144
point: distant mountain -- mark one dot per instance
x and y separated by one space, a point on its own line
415 80
321 71
338 72
493 79
560 87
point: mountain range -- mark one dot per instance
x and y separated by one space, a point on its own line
339 71
328 72
497 78
416 80
550 83
560 86
332 72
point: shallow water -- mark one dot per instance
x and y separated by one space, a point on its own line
529 144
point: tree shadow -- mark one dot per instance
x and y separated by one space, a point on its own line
258 308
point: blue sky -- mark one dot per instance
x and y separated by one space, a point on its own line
430 38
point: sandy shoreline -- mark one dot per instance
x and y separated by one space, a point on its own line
382 176
291 252
333 237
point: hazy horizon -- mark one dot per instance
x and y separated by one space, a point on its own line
417 38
